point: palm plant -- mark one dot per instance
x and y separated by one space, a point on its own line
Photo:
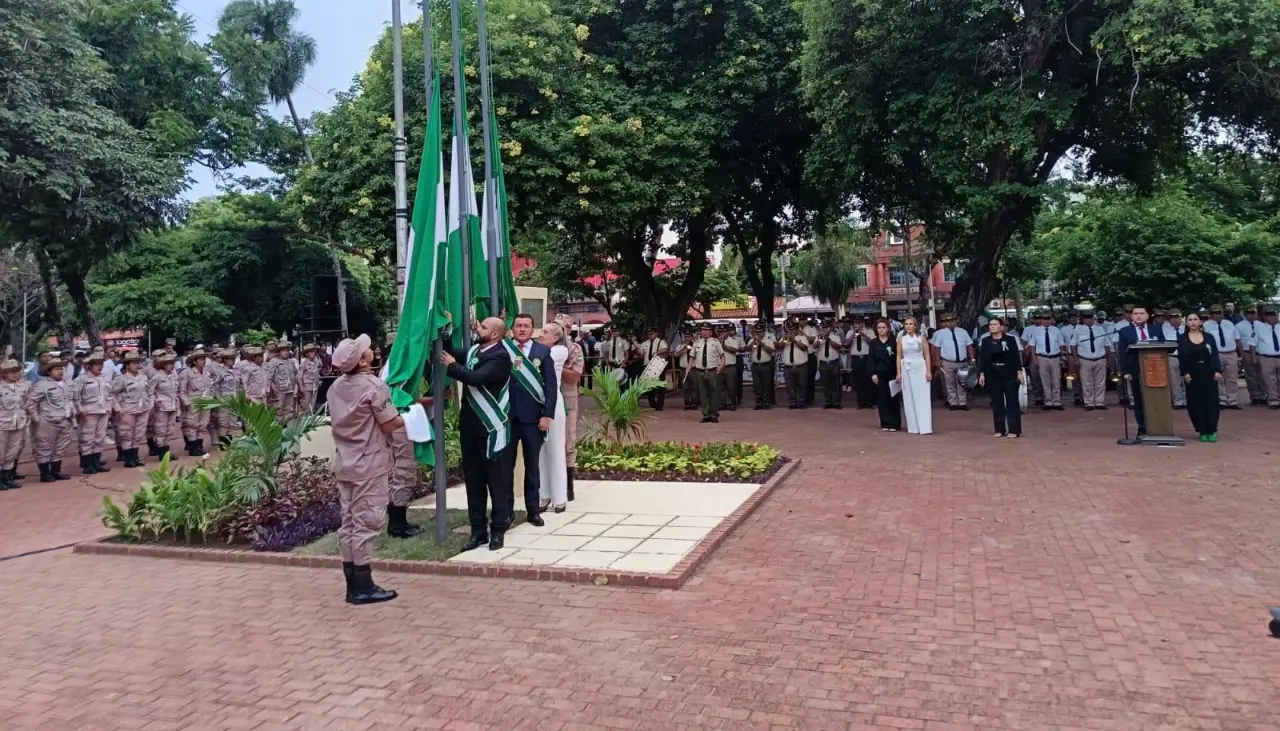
265 444
832 266
265 54
621 418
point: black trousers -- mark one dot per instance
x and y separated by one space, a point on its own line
832 385
1006 412
1135 389
530 437
863 388
1202 403
487 480
810 379
658 396
737 379
890 405
763 383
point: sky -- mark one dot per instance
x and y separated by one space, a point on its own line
344 31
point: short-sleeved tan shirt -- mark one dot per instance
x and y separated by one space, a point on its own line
358 404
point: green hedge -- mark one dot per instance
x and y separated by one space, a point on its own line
678 461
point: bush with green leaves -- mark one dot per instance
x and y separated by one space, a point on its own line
620 416
189 503
711 462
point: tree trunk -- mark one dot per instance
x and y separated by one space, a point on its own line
52 312
333 249
74 281
978 283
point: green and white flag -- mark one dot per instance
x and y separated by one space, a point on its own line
494 224
423 313
462 183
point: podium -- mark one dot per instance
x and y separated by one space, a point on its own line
1157 392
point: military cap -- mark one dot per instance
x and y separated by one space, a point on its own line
226 354
313 346
132 356
95 357
1252 309
1086 313
1160 313
1216 309
284 343
10 365
252 350
704 325
55 363
166 358
349 352
197 353
158 352
1268 311
1174 312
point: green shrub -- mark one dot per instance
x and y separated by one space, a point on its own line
620 417
716 459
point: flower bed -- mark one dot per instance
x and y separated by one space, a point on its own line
677 461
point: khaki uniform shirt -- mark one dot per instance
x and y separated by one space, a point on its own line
253 381
164 391
733 341
762 352
707 354
829 348
13 401
50 400
618 351
194 384
859 342
576 362
650 349
131 394
226 382
792 355
282 377
309 375
358 404
91 394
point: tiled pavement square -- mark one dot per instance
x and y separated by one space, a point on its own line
956 582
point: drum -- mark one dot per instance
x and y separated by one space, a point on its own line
655 369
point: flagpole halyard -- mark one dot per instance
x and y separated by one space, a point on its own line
490 232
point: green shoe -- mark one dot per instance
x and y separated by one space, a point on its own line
1204 437
1213 438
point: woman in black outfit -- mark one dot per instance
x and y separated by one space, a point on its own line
1202 370
1000 370
884 368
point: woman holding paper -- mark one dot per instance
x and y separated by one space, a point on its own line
553 488
884 366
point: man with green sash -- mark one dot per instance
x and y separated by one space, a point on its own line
484 426
534 395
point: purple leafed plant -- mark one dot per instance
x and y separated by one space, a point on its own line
301 530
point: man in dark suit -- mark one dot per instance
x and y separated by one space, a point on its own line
486 478
533 391
1137 331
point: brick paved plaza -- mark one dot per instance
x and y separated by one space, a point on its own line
943 583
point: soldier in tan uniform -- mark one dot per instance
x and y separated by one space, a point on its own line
362 421
149 369
760 351
253 377
706 363
282 382
226 384
730 377
163 387
91 393
575 367
308 378
13 421
193 383
131 399
272 349
50 406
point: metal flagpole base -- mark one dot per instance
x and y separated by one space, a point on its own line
1128 442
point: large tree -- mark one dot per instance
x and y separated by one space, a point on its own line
959 111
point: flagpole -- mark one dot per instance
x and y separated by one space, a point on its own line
437 369
459 119
491 231
401 160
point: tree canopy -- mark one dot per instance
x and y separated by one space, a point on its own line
961 114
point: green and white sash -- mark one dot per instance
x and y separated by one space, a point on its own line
492 410
525 371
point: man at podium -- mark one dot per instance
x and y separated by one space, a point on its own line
1137 331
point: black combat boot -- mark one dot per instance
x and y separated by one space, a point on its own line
349 573
364 591
13 479
153 447
5 482
55 471
98 464
122 455
398 525
87 466
570 484
200 450
44 472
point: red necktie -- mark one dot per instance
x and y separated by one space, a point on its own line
1143 333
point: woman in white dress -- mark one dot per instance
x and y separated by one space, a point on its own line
915 372
554 490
